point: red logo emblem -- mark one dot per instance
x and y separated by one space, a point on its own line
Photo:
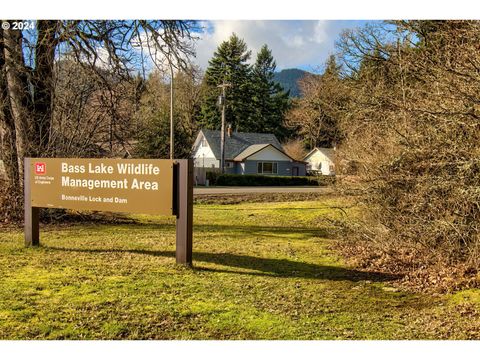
40 168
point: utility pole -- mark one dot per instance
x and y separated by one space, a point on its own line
172 132
221 102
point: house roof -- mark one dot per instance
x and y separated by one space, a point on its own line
327 151
238 142
253 149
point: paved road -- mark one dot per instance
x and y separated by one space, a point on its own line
259 189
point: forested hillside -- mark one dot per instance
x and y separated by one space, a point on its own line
288 79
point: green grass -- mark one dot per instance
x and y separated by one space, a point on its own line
261 271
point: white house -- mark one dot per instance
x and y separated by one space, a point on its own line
245 153
321 160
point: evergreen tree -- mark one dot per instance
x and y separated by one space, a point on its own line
228 65
270 101
373 67
254 101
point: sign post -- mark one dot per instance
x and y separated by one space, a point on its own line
160 187
184 211
32 228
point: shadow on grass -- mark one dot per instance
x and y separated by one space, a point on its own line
217 230
214 230
266 231
279 209
258 266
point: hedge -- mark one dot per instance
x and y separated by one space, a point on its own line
262 180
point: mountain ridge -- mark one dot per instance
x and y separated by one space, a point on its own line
288 79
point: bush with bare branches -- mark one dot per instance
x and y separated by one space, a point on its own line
412 124
295 148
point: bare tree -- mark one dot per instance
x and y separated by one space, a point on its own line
28 92
295 148
315 114
412 122
151 117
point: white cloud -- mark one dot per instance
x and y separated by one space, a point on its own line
302 43
319 32
149 50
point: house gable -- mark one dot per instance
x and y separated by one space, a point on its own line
321 159
202 153
202 148
266 153
320 154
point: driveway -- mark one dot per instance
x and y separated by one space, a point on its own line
213 190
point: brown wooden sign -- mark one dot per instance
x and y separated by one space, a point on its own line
161 187
136 186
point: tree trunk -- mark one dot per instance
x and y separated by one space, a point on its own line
17 89
43 86
8 153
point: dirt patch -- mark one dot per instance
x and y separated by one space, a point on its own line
416 270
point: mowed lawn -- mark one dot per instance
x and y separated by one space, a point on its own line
261 271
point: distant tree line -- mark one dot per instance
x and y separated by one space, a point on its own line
81 88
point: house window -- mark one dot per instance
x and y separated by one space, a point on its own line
267 168
228 164
204 142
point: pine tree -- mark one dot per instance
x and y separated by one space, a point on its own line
228 65
254 101
270 101
373 67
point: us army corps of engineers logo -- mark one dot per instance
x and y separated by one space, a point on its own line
40 170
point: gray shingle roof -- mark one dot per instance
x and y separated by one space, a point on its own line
238 142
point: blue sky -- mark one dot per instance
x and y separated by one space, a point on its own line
303 44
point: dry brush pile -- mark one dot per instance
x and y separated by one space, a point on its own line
412 123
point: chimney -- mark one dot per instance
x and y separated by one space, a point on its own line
229 130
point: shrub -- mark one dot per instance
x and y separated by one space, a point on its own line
212 177
413 139
261 180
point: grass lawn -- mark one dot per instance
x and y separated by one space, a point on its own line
261 271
